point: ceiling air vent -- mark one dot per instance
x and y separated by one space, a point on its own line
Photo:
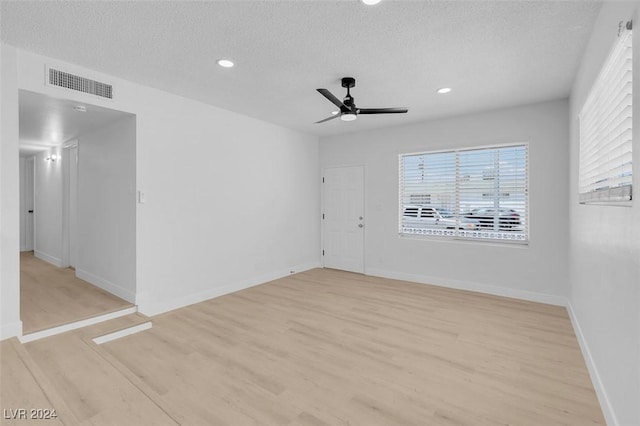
74 82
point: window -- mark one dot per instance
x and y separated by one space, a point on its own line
605 130
469 193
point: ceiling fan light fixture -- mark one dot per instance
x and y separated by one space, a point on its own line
348 116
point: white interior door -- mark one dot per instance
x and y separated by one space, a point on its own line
343 218
29 182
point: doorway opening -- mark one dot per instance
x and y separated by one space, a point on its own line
77 211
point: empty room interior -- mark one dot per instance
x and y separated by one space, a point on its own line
355 212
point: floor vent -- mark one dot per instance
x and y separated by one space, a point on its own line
81 84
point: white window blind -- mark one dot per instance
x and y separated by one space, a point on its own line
470 193
605 130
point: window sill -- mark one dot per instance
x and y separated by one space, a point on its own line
478 241
613 203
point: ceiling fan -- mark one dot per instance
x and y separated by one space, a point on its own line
348 110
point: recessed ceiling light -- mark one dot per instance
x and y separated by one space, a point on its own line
370 2
80 108
225 63
443 90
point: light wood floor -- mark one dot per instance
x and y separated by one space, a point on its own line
320 348
51 296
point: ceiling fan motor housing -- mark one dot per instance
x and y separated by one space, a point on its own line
348 101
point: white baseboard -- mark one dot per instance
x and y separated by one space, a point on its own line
75 325
549 299
11 330
106 285
603 398
150 308
48 258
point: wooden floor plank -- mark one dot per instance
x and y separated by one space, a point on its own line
338 348
20 390
51 296
95 391
326 347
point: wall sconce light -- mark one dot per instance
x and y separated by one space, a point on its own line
52 158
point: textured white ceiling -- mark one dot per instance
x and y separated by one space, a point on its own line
46 122
493 53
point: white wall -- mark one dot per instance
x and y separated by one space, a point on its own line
605 248
10 324
537 271
107 208
230 201
48 207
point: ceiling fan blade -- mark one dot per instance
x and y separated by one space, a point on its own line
327 94
327 119
382 110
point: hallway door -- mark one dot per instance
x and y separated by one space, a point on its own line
343 218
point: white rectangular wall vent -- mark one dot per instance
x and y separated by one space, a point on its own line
81 84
